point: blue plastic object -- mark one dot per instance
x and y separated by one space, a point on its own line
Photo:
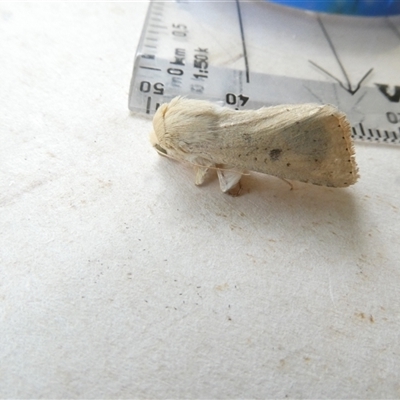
368 8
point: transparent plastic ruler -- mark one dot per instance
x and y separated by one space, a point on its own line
249 54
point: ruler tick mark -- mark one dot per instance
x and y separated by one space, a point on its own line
362 129
148 104
370 133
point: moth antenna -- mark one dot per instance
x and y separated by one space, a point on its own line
230 169
288 182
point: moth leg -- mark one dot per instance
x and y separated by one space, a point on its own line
228 179
201 173
288 182
236 190
201 167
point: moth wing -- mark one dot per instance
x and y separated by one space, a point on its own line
305 142
201 168
319 150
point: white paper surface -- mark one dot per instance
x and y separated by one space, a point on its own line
121 279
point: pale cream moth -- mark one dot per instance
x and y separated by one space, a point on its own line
302 142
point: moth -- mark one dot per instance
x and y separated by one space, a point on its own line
301 142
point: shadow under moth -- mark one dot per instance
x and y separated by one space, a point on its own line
301 142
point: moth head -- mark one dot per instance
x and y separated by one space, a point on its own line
157 135
155 143
182 126
164 138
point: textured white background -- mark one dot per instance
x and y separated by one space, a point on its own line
120 278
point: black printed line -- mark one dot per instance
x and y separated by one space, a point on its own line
327 37
246 61
328 73
347 86
361 81
154 69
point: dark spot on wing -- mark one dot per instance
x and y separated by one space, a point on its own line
275 154
247 137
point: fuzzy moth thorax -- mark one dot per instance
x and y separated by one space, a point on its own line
183 125
164 137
